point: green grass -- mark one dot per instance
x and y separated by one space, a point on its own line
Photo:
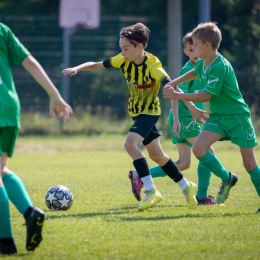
103 222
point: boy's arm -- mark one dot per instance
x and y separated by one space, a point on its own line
196 113
189 76
56 101
176 94
88 66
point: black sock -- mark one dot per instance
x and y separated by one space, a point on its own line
7 241
141 167
172 171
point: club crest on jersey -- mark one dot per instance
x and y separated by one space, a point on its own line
211 82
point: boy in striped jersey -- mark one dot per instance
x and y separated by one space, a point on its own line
183 132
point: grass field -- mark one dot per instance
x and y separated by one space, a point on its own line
103 222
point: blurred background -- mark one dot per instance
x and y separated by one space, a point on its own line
99 99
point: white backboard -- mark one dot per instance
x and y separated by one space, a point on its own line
83 13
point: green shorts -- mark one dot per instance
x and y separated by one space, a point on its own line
188 130
238 128
8 136
145 125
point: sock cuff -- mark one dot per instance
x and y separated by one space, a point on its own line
255 173
206 157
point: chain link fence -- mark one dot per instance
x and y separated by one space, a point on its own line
103 92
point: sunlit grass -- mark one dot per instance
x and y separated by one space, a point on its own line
103 222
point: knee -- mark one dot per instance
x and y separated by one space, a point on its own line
196 150
155 157
128 146
249 164
183 165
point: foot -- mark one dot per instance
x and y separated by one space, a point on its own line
151 198
8 249
207 200
136 183
225 188
190 195
34 223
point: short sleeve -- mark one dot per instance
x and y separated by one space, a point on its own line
160 74
16 50
114 62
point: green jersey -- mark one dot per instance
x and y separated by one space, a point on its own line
10 50
220 81
194 86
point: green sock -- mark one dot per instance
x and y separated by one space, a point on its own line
5 221
210 161
255 178
17 192
157 171
204 175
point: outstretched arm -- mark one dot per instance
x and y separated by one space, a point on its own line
88 66
56 101
196 113
189 76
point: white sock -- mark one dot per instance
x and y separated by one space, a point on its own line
183 183
148 182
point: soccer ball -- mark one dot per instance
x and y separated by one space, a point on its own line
58 197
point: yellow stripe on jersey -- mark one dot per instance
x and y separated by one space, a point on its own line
143 81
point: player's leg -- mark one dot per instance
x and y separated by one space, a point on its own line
251 166
168 166
7 245
17 192
184 160
138 133
210 161
156 171
204 175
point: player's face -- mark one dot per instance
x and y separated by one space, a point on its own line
199 48
189 51
129 51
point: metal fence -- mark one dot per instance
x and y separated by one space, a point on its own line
43 38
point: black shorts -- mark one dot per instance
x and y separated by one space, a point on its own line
145 125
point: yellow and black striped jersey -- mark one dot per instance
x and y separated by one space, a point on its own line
144 82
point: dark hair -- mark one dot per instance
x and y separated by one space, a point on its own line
187 39
137 33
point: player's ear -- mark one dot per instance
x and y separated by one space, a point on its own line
140 46
185 51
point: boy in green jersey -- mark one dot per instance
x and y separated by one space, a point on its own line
229 117
183 133
144 75
11 186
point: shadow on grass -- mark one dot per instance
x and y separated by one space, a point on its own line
138 215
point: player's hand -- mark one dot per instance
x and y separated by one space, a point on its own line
199 114
169 92
69 71
176 129
62 109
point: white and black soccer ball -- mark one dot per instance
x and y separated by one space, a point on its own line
58 197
